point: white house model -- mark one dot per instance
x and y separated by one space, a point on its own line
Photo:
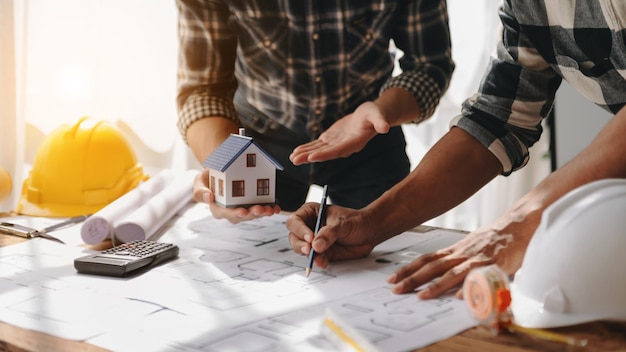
241 173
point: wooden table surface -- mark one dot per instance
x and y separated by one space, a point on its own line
601 336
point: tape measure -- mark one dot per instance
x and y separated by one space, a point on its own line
486 292
487 295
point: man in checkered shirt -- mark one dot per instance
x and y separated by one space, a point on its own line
295 71
542 43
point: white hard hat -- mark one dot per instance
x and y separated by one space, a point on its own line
574 270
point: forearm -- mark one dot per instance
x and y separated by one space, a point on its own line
205 135
454 169
398 106
205 76
604 158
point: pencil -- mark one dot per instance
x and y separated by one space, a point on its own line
318 225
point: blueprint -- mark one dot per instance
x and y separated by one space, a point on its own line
232 288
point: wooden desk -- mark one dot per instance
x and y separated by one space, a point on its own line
602 336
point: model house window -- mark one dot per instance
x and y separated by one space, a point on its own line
263 187
251 160
221 184
238 188
212 185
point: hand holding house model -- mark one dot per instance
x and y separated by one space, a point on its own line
241 173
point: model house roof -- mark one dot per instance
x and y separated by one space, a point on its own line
230 150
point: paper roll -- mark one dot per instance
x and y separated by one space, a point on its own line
147 219
100 226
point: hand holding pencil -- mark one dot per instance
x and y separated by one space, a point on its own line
340 233
318 225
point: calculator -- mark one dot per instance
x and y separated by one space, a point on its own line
127 259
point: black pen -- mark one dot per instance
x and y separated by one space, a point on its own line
318 225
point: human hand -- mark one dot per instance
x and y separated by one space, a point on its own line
202 193
448 267
341 238
346 136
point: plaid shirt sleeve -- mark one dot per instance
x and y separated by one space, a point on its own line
516 93
427 66
207 50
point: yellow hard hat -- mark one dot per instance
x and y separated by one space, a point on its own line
5 184
79 169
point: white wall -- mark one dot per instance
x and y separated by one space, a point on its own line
577 122
113 60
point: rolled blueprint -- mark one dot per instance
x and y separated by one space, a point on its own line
147 219
101 225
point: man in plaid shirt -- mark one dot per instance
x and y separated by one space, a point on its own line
295 71
543 42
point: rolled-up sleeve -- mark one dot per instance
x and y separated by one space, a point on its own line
515 95
206 80
424 38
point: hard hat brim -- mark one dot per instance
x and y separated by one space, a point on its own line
530 313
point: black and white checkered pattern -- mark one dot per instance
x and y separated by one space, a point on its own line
543 42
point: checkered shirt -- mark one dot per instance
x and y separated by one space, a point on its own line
544 42
305 64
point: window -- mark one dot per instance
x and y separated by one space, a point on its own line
263 187
212 186
239 188
251 160
221 184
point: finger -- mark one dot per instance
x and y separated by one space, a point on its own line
301 154
299 158
302 221
329 152
259 211
233 215
453 277
299 245
200 187
448 281
459 293
269 210
310 146
321 261
324 240
409 269
418 274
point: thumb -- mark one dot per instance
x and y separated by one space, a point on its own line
323 240
319 244
208 196
381 127
380 124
